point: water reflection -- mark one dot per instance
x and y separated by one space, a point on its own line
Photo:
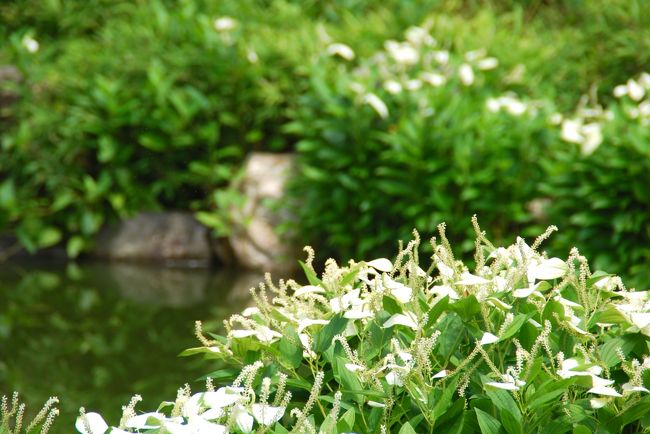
95 334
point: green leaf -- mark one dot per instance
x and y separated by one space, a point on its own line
514 327
466 307
437 310
48 237
311 275
504 401
290 348
328 426
407 429
488 424
75 246
323 339
581 429
346 423
348 380
510 422
391 306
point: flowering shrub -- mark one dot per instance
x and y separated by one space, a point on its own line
12 416
417 133
520 343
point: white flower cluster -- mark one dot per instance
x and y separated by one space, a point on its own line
637 91
411 65
227 409
511 104
585 128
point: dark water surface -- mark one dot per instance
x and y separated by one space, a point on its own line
95 334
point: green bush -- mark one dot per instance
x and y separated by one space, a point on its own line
522 343
601 195
155 110
432 148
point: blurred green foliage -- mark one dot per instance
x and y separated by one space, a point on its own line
131 105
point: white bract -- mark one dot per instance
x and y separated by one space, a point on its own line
340 50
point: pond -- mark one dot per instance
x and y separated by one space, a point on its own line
94 334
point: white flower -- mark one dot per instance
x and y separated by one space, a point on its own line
340 50
488 338
466 74
493 104
30 44
514 106
402 53
149 421
444 290
604 390
306 345
432 78
399 291
414 84
250 311
94 421
263 334
243 419
251 55
377 104
635 90
509 383
471 56
629 388
441 374
354 367
547 269
468 279
487 63
381 264
308 289
419 36
339 304
304 323
267 415
393 87
409 320
442 57
598 402
620 90
571 131
394 379
225 24
593 138
555 119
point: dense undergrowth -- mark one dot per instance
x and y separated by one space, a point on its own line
521 342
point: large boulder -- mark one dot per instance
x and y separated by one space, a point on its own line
255 240
156 236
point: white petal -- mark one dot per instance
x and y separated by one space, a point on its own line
604 390
470 279
597 381
393 87
635 90
488 338
598 402
628 388
354 368
250 311
243 419
444 269
242 333
443 290
376 404
466 74
548 269
341 50
96 424
393 379
304 323
198 425
493 301
408 320
401 292
308 289
620 90
641 320
357 314
503 386
381 264
140 421
441 374
487 63
377 104
222 397
267 415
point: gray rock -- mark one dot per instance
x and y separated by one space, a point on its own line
255 240
174 237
